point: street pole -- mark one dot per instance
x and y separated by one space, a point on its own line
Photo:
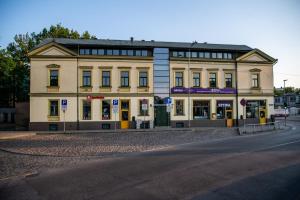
64 121
284 101
189 112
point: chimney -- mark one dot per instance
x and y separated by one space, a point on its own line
131 39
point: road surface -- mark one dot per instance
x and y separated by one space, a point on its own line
263 166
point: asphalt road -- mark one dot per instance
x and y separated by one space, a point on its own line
263 166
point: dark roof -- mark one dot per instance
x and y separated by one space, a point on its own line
143 44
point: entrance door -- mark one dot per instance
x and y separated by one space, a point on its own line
125 115
161 115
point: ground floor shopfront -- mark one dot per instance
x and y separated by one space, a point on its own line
99 112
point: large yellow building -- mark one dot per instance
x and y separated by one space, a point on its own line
151 84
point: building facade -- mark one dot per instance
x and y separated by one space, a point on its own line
204 84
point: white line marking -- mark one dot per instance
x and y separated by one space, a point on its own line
278 145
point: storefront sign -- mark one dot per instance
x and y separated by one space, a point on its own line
90 97
176 90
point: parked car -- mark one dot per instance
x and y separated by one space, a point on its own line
281 112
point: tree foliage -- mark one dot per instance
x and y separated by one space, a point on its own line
15 64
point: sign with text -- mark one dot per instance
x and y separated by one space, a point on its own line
183 90
64 104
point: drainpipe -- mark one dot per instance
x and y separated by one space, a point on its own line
77 94
236 95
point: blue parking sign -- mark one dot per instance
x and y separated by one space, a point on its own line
115 102
64 104
168 100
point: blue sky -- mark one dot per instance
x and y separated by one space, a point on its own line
272 26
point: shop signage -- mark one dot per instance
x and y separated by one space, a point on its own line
243 102
90 97
176 90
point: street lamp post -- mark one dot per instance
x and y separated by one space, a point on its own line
284 101
189 92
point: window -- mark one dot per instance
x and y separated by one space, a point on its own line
229 56
196 79
201 55
109 52
194 54
143 112
105 78
54 77
253 106
219 55
143 79
116 52
178 79
214 55
105 109
124 52
187 54
124 78
175 54
130 52
138 53
225 55
81 51
255 80
222 107
101 52
181 54
87 51
53 108
179 107
201 109
212 80
86 78
94 51
206 55
86 110
228 80
144 53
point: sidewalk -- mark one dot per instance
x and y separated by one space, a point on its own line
15 134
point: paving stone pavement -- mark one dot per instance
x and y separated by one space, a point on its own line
37 152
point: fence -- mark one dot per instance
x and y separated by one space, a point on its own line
254 128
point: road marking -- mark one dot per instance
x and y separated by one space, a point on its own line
278 145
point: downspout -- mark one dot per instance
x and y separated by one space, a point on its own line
236 95
77 94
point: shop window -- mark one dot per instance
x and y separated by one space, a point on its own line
253 107
106 111
222 107
143 112
201 109
86 110
179 105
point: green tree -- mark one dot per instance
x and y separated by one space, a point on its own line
16 54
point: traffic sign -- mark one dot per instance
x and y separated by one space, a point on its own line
169 108
168 100
115 108
64 104
115 102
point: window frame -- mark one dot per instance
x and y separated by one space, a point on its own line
121 79
141 112
82 108
55 69
140 72
210 79
176 79
231 80
82 77
110 109
176 113
102 78
257 80
49 108
198 86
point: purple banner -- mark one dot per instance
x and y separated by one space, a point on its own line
182 90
